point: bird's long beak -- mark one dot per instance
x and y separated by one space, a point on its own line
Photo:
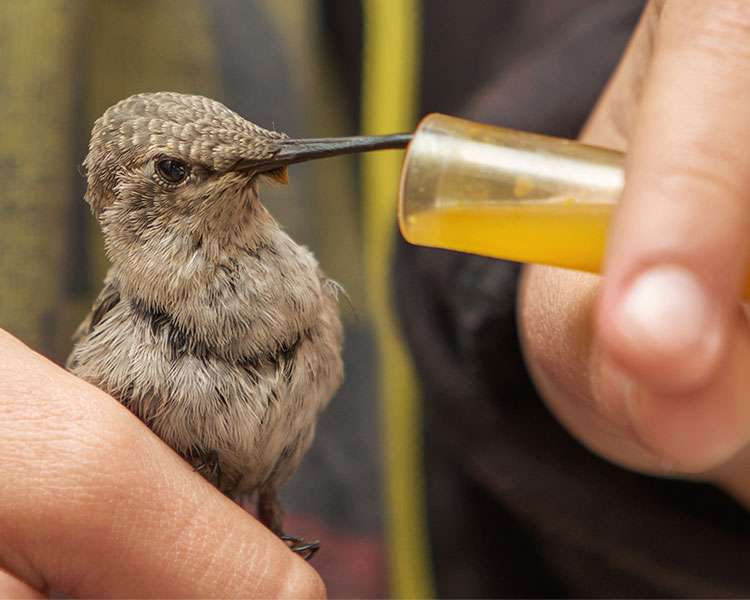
296 151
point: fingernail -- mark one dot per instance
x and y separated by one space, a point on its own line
667 312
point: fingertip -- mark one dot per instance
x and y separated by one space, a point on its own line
664 327
690 428
287 575
303 581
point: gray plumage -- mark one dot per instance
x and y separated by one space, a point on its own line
214 326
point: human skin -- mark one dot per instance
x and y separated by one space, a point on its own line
649 365
94 504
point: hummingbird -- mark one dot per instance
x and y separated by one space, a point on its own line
213 326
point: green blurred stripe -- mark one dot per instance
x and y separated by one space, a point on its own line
37 42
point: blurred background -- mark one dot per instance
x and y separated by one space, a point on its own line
460 485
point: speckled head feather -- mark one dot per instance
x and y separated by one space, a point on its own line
192 128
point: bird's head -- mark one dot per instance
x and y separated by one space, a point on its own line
165 154
164 165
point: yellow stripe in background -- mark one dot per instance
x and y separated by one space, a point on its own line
389 101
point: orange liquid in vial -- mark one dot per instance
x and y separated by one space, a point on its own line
562 234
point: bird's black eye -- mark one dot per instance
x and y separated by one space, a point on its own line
172 170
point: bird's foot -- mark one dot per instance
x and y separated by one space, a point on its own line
299 546
209 462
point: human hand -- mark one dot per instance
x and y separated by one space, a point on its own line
94 504
650 367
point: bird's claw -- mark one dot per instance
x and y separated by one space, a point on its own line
211 460
299 546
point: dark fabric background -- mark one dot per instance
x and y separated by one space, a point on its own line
517 507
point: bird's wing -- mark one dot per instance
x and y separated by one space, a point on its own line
105 301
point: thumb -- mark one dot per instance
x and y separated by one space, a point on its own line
678 249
